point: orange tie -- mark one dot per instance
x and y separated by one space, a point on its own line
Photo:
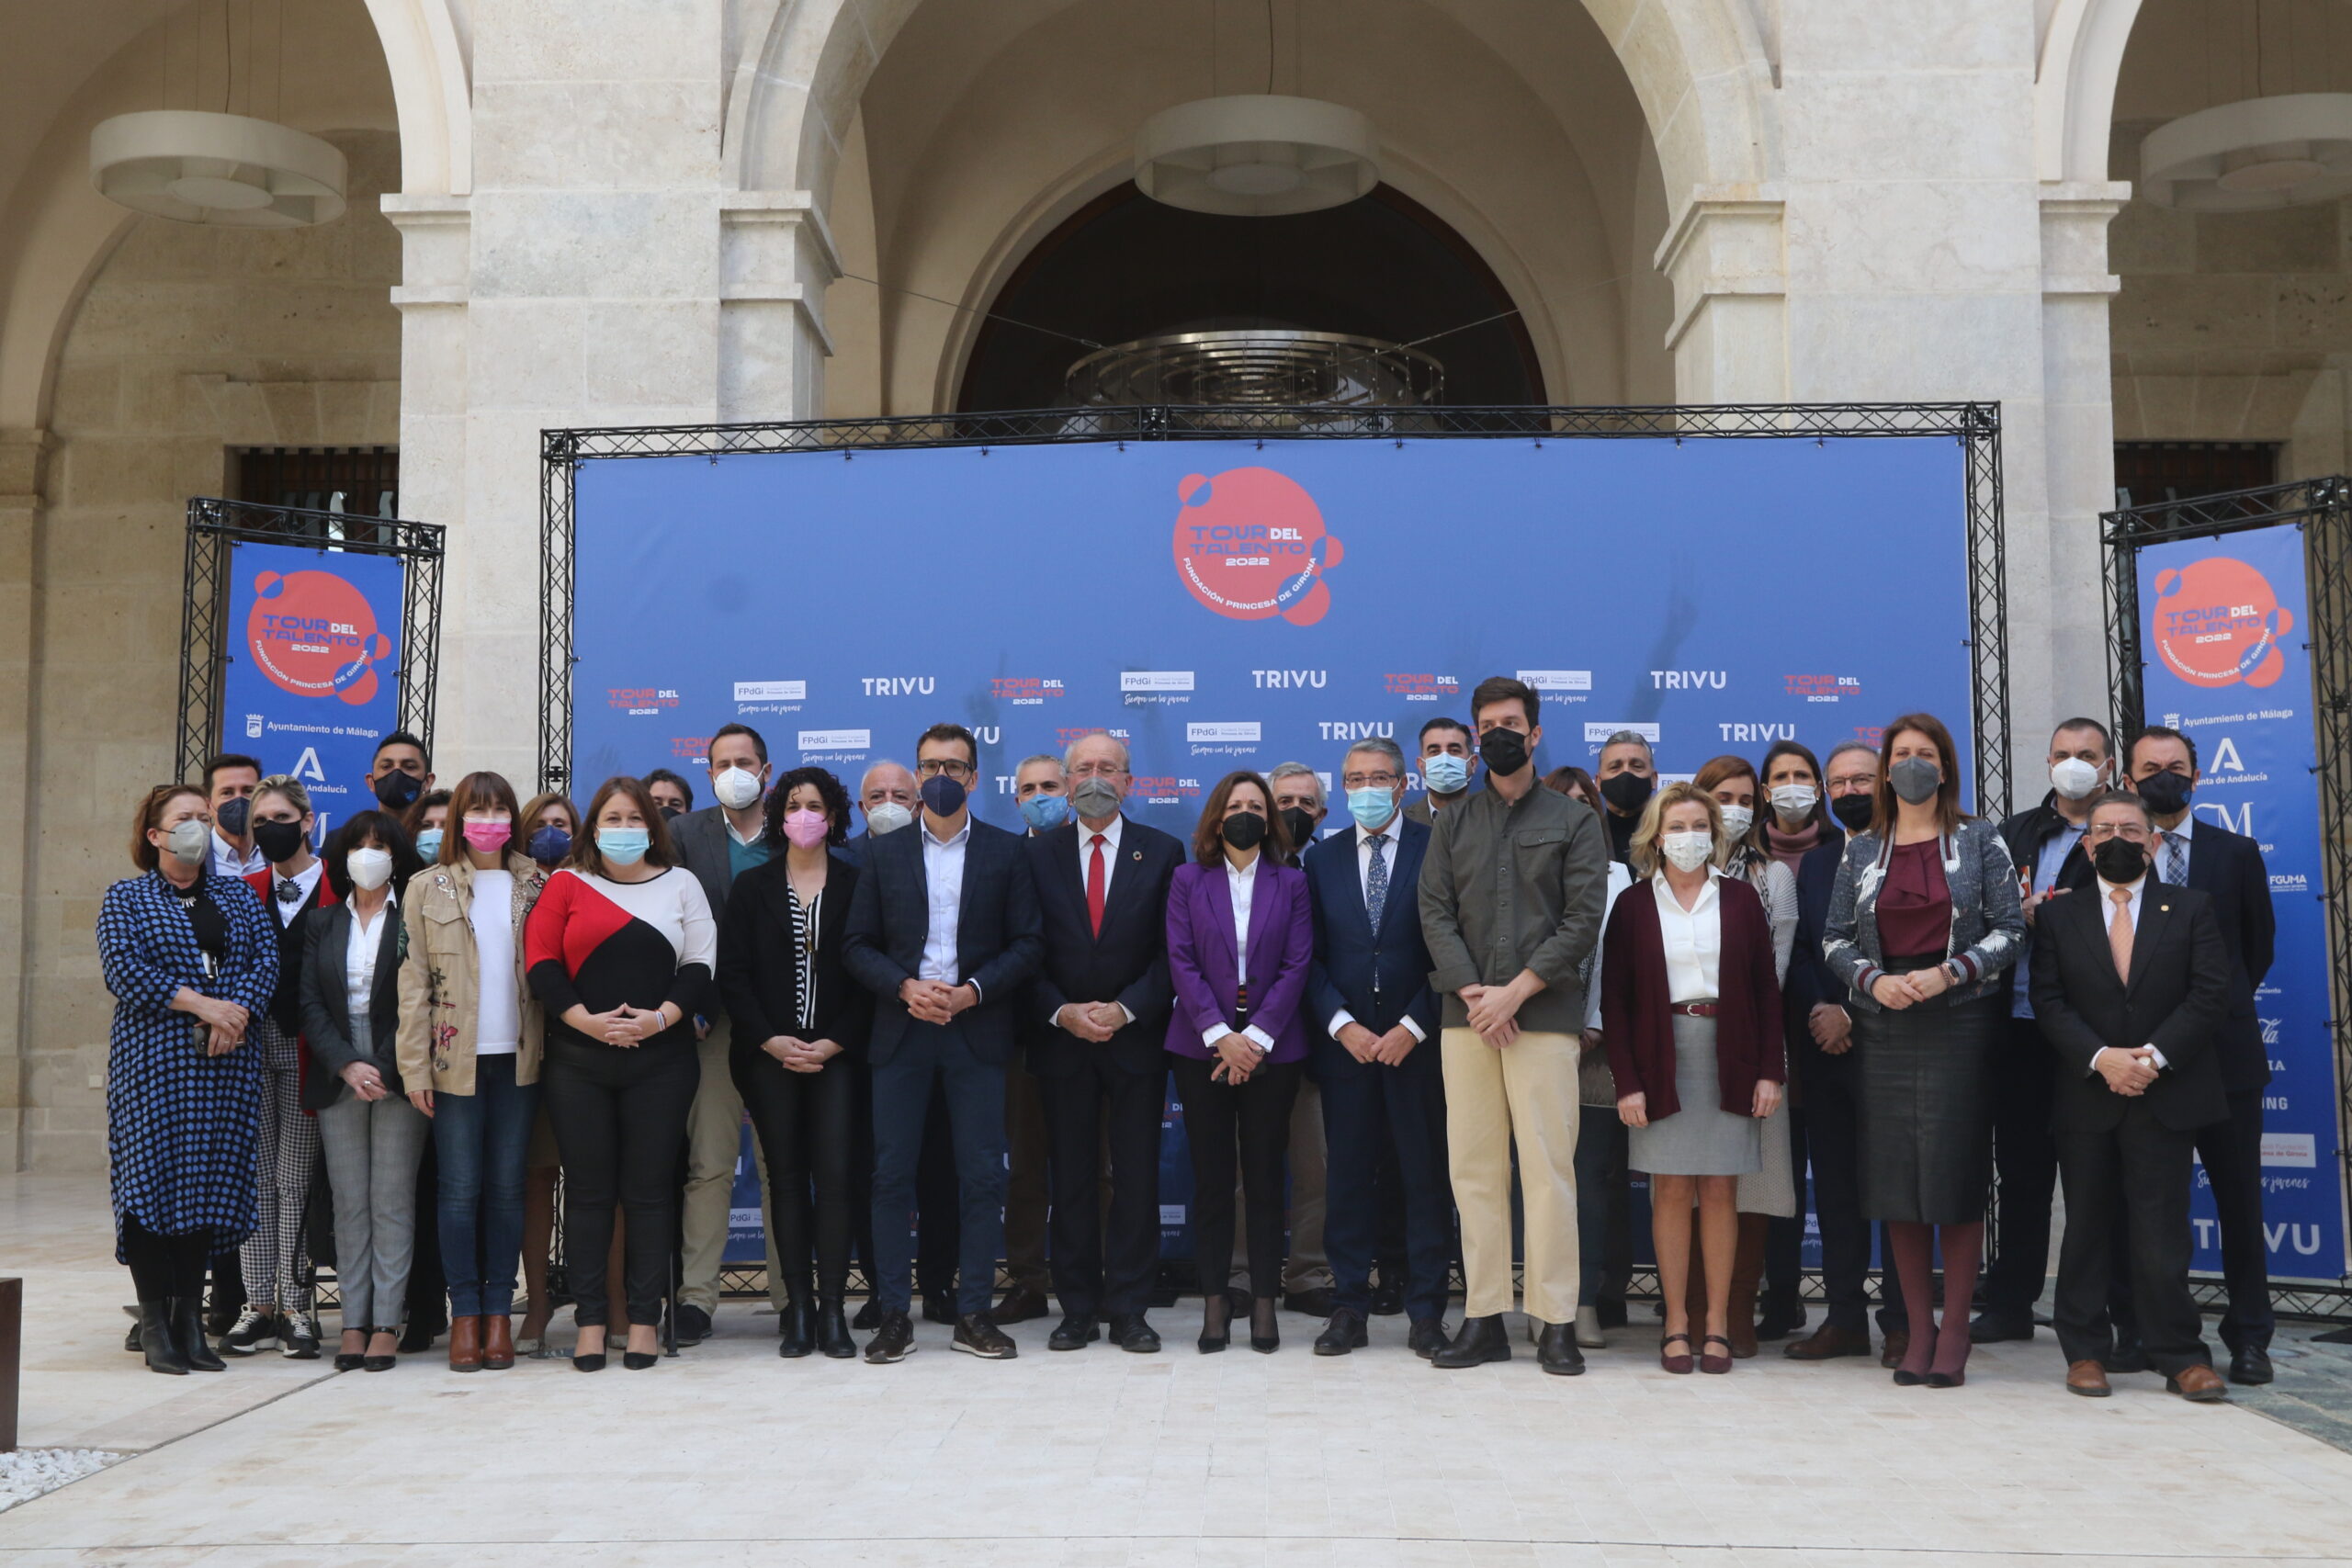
2119 932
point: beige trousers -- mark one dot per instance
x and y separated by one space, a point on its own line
1526 1093
714 1138
1306 1268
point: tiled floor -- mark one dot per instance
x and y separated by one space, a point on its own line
727 1456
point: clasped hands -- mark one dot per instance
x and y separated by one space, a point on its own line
625 1026
1092 1021
1896 992
224 1021
1238 1056
1494 1009
2127 1073
1388 1050
936 1001
801 1056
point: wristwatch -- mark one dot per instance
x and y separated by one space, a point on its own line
1954 973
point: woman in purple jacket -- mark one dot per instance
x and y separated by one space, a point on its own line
1239 938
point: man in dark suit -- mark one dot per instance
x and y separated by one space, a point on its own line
2228 869
943 931
1373 1013
1098 1017
2132 989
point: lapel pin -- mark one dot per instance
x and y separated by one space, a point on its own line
2164 908
1138 854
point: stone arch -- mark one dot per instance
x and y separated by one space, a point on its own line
426 55
2075 79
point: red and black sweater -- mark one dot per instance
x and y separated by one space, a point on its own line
598 944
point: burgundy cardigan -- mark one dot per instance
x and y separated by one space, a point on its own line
1639 1032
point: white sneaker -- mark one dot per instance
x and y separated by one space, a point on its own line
1588 1335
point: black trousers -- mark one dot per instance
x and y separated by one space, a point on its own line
164 1266
928 1059
1099 1268
2139 1172
1830 1127
620 1120
805 1124
2025 1169
2232 1151
1254 1115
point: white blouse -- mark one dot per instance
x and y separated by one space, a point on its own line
1694 940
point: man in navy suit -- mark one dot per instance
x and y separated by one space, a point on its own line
2228 869
1373 1013
1098 1015
943 931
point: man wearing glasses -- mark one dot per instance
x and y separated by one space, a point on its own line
1382 1089
2132 988
943 930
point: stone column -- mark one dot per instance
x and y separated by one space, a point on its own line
2062 592
23 464
1726 255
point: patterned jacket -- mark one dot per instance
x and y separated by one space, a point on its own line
1988 930
440 986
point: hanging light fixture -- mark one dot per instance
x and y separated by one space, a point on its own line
194 166
2287 150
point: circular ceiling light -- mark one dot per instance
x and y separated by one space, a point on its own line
2290 151
1256 156
223 169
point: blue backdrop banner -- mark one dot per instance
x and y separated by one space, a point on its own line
313 671
2221 637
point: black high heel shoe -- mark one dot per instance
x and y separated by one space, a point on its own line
1262 1314
591 1363
1216 1324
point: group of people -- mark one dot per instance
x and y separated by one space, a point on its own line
1399 1044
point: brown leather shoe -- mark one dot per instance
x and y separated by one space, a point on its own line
1897 1345
2088 1378
1827 1343
497 1342
1019 1304
2199 1385
465 1344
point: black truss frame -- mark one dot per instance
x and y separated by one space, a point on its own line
2322 509
1976 426
214 525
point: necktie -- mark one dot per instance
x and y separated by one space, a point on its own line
2119 932
1376 881
2176 858
1097 876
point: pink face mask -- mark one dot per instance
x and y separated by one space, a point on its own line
807 828
488 837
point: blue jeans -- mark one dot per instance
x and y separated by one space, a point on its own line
1600 1133
483 1142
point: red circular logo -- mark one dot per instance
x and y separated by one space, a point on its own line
2217 622
315 635
1250 542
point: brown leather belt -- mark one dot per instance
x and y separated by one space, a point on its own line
1692 1009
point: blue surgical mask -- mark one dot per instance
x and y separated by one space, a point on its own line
1445 774
624 846
552 843
428 844
1372 808
1046 812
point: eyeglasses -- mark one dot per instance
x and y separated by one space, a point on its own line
2099 832
950 766
1368 780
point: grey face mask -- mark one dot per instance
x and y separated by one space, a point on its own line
1096 797
189 841
1915 780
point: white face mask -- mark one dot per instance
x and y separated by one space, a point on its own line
736 788
1737 821
1687 848
886 818
1795 802
370 868
189 841
2073 778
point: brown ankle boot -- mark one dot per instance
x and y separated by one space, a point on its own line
497 1341
465 1344
1746 1273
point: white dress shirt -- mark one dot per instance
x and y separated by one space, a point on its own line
943 870
227 863
1694 940
1241 883
1110 870
2106 917
1384 844
359 955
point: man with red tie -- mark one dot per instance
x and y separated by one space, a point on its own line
1103 997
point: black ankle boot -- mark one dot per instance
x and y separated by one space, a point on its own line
796 1334
1480 1341
832 1330
156 1340
188 1333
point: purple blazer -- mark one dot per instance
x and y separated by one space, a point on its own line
1201 956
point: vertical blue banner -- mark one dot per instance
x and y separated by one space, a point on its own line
2222 630
313 673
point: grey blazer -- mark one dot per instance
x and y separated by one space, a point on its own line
701 840
326 1003
1988 927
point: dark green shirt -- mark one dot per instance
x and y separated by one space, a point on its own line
1509 886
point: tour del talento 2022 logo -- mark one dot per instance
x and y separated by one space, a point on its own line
1250 544
315 635
2217 622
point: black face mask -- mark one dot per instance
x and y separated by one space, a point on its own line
398 791
1853 811
1243 831
1300 825
1503 751
672 813
2119 861
2164 793
235 813
279 841
1628 793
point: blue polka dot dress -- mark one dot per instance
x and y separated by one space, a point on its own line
180 1125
